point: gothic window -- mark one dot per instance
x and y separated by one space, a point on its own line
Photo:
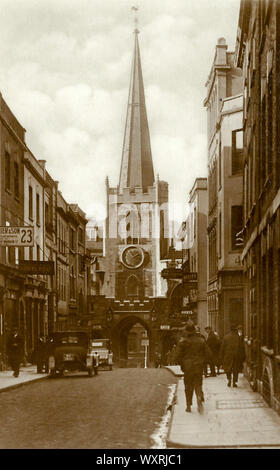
132 286
133 226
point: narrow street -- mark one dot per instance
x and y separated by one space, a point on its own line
121 409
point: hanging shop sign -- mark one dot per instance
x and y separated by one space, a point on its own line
190 276
36 267
171 273
16 236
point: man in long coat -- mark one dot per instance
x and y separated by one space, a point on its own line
41 355
15 351
191 354
214 344
232 355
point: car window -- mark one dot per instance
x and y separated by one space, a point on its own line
98 344
70 340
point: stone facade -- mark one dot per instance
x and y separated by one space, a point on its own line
257 53
224 104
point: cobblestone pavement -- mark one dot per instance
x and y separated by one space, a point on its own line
120 409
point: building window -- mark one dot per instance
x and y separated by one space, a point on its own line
47 213
7 171
81 235
72 284
38 252
38 209
236 226
72 239
237 151
30 202
16 179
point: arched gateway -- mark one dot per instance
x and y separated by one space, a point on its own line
127 336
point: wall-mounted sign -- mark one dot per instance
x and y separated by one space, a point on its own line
97 327
186 312
190 276
171 273
16 236
36 267
145 342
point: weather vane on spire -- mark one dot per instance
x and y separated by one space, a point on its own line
135 10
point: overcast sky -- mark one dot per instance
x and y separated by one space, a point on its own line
65 70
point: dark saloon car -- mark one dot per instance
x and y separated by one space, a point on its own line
69 351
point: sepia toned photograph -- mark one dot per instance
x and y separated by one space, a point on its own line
139 227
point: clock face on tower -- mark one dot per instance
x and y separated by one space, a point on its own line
132 257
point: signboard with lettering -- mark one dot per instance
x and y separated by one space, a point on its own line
171 273
190 276
145 342
36 267
186 312
165 327
97 327
16 236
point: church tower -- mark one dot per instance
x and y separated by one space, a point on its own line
137 209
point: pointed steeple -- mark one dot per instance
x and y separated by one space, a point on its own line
137 164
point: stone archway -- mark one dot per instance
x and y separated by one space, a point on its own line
120 338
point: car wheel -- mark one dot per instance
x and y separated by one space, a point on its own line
90 371
53 373
60 373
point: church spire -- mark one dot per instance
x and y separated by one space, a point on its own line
137 164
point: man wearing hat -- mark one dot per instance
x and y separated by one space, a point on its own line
232 355
192 353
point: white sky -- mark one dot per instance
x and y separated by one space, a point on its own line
65 70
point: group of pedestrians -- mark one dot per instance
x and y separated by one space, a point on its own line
194 352
15 352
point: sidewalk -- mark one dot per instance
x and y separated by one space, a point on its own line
27 374
232 418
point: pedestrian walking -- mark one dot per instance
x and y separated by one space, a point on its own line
157 360
214 345
15 351
41 355
198 332
191 355
232 355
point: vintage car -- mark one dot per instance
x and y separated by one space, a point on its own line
102 348
70 351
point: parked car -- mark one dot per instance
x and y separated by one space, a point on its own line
70 351
102 348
